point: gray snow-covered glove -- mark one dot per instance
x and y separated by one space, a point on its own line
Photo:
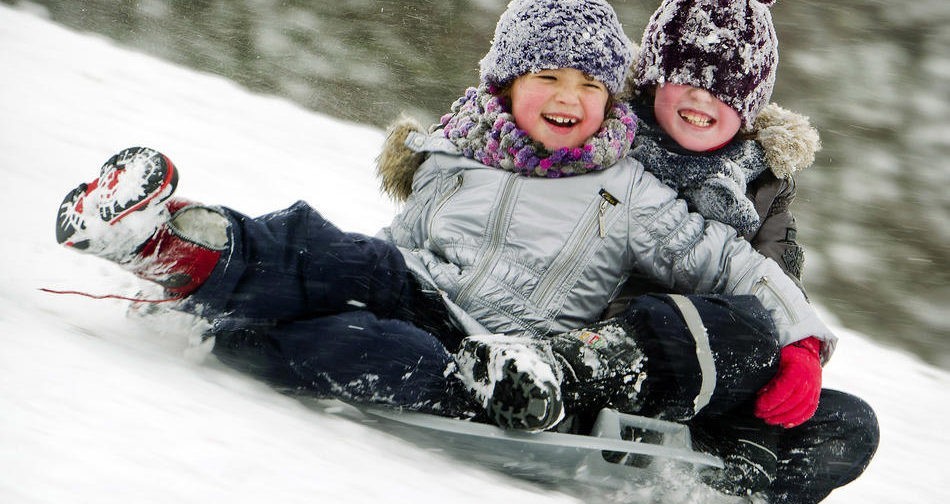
713 183
721 196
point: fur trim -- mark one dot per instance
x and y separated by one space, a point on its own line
397 164
789 140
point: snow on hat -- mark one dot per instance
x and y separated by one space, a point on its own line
727 47
535 35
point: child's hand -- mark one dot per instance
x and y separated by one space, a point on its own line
791 398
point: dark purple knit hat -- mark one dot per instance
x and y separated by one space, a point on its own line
535 35
727 47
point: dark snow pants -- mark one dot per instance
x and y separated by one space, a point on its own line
307 307
826 452
353 356
713 367
809 461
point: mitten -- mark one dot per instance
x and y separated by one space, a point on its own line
791 398
722 197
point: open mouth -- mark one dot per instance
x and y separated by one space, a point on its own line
560 121
697 119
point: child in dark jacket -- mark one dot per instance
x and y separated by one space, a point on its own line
703 77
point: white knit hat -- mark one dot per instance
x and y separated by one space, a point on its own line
535 35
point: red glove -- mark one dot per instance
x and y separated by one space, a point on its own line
791 397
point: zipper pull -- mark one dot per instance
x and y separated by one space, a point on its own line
608 199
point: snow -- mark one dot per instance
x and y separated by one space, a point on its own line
98 405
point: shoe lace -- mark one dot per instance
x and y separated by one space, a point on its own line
112 296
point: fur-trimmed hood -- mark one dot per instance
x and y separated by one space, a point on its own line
397 164
788 139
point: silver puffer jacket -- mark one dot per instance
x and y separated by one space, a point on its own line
522 254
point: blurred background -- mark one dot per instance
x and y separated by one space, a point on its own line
873 76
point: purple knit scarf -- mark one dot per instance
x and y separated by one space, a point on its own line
484 130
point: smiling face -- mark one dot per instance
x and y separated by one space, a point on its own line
695 119
559 108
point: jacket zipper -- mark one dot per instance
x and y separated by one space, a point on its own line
764 283
494 240
443 201
606 199
555 278
602 218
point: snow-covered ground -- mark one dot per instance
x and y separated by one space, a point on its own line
99 406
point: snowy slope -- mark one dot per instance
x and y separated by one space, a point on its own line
98 406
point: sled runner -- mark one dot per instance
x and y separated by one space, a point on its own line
552 457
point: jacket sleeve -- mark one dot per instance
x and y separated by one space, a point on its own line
776 236
689 254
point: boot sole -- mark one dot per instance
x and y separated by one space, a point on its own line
520 403
155 188
165 175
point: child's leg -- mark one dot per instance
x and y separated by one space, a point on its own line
352 356
293 264
747 446
713 370
828 451
677 356
287 265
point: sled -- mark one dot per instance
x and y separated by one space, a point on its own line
550 457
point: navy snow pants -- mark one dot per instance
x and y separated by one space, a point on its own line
828 451
307 307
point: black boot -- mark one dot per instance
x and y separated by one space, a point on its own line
527 383
603 366
517 380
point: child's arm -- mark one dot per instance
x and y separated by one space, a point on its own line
776 237
690 254
787 145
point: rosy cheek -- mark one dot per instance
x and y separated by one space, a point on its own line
521 116
593 125
525 109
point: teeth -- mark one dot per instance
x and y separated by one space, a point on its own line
696 119
561 121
